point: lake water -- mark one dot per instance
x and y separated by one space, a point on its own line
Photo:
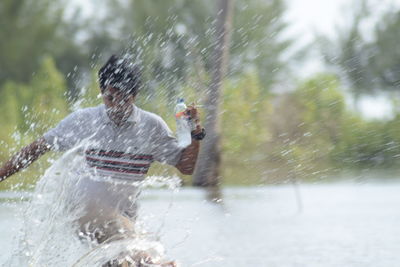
344 224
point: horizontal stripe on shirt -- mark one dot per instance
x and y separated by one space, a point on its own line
100 163
117 163
117 154
106 168
114 162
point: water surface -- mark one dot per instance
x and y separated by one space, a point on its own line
346 224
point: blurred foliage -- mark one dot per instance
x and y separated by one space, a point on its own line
307 132
28 110
31 30
306 126
174 38
28 30
385 52
313 134
368 62
171 39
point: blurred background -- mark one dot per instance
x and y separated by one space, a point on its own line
311 89
301 103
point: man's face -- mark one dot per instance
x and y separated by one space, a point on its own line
117 101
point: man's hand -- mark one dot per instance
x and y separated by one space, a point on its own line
194 116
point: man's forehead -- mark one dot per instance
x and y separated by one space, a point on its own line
112 89
115 90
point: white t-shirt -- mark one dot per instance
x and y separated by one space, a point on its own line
115 159
124 152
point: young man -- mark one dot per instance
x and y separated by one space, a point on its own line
119 141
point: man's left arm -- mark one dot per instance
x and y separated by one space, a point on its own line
189 155
188 159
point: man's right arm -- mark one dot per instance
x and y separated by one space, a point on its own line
25 157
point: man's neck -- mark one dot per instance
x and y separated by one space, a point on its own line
119 118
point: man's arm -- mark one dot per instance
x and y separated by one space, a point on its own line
25 157
189 155
188 159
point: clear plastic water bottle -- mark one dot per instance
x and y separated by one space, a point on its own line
183 128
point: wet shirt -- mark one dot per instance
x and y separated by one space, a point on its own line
121 152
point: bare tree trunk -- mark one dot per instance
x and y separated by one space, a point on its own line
207 171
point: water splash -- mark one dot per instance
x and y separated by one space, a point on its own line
129 250
51 235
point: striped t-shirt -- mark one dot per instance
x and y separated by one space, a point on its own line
124 152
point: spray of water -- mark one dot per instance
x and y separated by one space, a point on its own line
51 234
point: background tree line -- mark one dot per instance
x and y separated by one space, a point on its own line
50 52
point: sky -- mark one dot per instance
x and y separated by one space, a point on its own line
306 16
309 16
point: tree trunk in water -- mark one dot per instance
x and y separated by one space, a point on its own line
207 173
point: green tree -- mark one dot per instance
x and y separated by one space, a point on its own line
257 44
29 109
306 126
10 118
174 38
385 52
347 53
30 30
27 32
47 96
244 119
368 65
35 106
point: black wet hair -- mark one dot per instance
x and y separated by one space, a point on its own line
121 74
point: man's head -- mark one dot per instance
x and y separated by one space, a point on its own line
119 84
121 74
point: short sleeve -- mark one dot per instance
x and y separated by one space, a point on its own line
67 133
166 148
